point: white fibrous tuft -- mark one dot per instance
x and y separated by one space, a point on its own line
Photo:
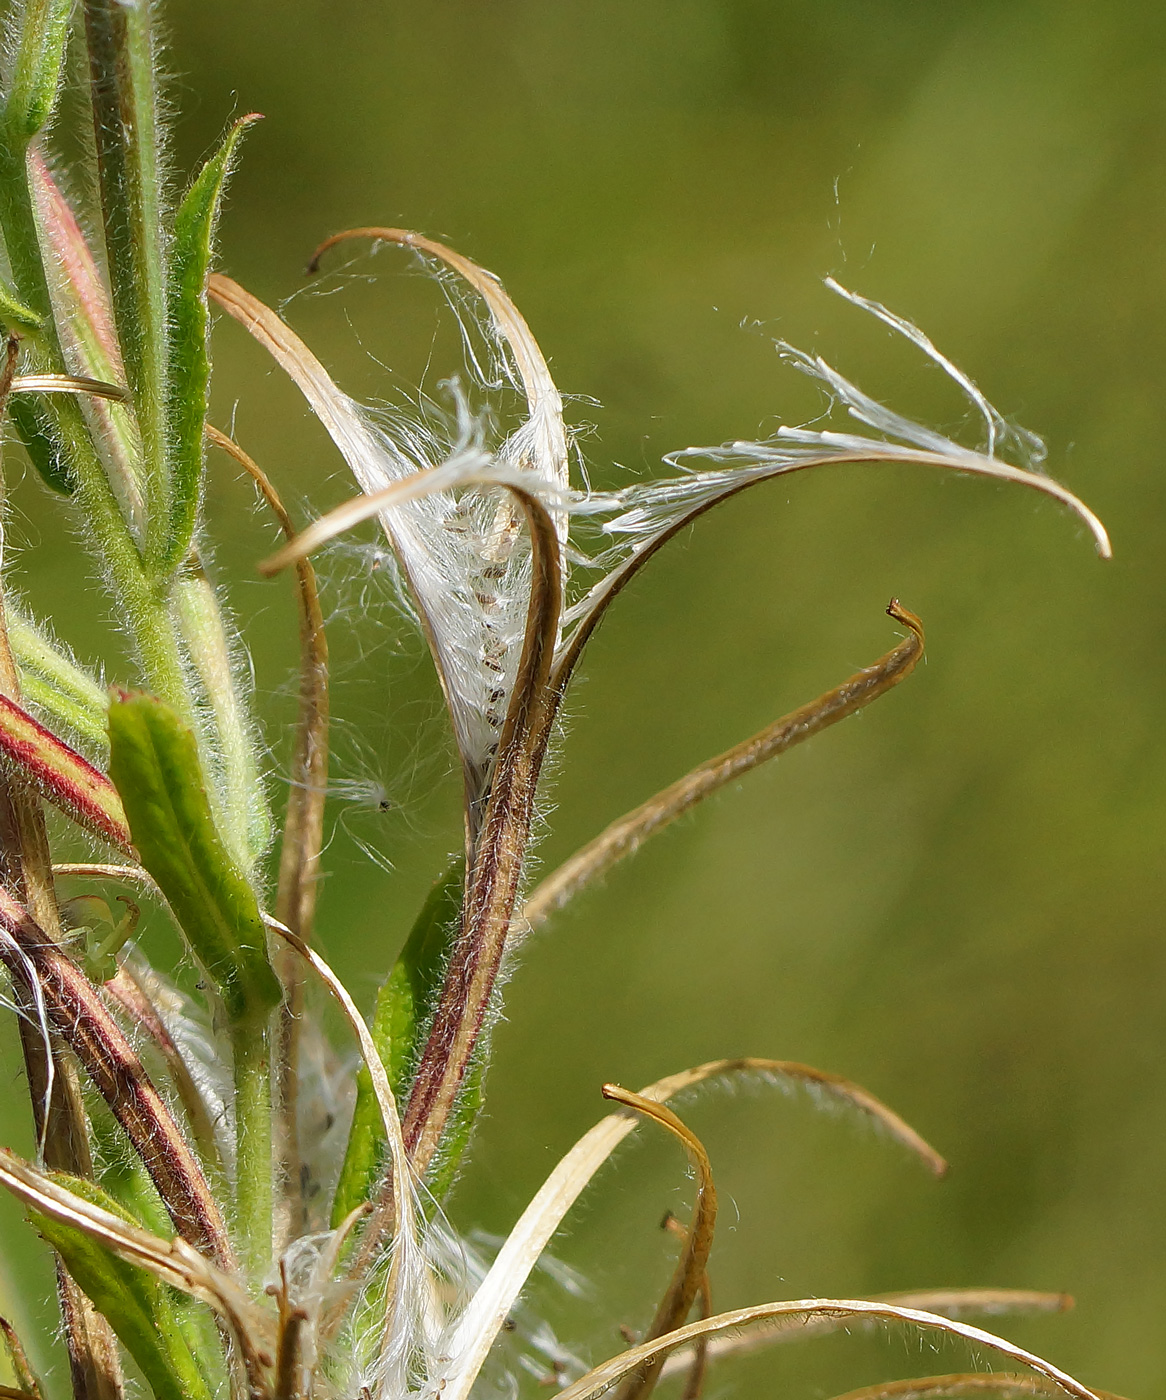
460 545
464 553
999 435
326 1093
189 1027
417 1355
655 505
459 536
642 514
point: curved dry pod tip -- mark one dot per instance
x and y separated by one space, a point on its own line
947 1302
601 1378
486 1315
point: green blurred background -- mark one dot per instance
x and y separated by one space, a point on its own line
955 899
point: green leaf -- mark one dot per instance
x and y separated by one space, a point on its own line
122 65
55 685
140 1310
40 441
194 229
404 1006
123 1175
14 314
125 1178
154 765
43 697
42 31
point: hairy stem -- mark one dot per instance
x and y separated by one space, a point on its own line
125 123
231 761
57 1108
303 836
496 858
142 605
253 1193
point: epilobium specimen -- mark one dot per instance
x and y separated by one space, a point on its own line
168 1176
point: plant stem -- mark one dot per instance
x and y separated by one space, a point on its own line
125 121
57 1106
22 242
32 93
143 604
234 774
253 1164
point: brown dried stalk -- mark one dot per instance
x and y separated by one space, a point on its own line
852 1310
625 836
946 1302
495 860
698 1368
980 1383
686 1282
76 1012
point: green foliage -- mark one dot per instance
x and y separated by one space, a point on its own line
42 28
57 687
155 766
43 445
190 260
404 1007
141 1310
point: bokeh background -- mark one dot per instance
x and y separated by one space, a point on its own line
955 899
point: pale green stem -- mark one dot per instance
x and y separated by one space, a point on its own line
34 652
253 1154
43 696
234 767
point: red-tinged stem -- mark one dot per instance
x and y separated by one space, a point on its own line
61 775
496 867
77 1014
57 1108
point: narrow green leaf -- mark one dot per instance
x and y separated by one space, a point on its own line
129 161
35 430
194 229
42 31
125 1179
122 1174
14 315
139 1308
84 321
54 684
154 765
403 1008
63 711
